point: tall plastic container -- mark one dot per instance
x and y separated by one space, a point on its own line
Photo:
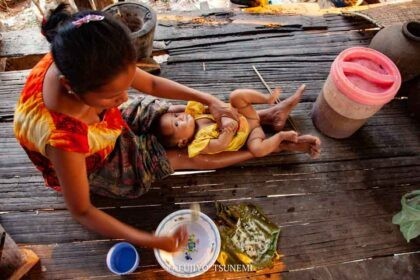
360 82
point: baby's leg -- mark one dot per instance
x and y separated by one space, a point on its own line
259 146
277 115
242 99
305 143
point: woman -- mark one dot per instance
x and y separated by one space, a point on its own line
68 121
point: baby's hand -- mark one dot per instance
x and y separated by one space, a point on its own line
176 241
229 125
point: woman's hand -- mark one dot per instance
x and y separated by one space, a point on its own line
225 115
175 241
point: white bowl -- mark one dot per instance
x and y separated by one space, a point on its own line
202 249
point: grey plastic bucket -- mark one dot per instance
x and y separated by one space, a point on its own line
141 20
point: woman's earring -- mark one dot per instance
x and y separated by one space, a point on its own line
69 91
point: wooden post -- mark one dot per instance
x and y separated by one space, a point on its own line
14 262
10 256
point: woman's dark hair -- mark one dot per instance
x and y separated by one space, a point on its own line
91 54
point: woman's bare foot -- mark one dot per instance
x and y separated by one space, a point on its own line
305 143
276 115
274 96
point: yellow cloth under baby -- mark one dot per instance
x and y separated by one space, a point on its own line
204 135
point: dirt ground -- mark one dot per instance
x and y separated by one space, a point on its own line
20 14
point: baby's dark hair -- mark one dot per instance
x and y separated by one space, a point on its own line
166 140
91 54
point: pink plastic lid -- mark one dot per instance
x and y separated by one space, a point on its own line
366 76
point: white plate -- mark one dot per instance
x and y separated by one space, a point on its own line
201 251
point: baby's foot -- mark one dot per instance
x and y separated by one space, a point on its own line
290 136
313 145
305 143
274 96
276 115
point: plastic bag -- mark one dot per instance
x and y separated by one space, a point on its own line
248 237
409 217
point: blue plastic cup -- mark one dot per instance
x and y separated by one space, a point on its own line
122 258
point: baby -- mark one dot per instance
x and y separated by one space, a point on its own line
197 129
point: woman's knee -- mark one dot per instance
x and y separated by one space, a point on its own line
256 149
254 145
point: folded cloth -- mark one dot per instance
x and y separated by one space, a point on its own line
138 159
248 237
409 217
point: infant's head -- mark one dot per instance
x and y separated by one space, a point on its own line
176 129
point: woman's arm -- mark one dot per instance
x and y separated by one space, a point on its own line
164 88
179 159
176 108
71 171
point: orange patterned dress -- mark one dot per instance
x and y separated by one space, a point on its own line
35 127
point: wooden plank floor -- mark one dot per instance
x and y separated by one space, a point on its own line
335 212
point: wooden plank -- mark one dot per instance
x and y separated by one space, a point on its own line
15 164
235 51
216 78
181 28
78 259
22 62
379 138
299 40
13 81
404 267
280 19
196 42
222 81
11 85
399 266
58 226
341 23
236 16
63 261
302 210
165 33
333 211
30 41
205 188
212 54
379 135
321 229
29 193
23 42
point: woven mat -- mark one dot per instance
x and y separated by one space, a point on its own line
390 14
